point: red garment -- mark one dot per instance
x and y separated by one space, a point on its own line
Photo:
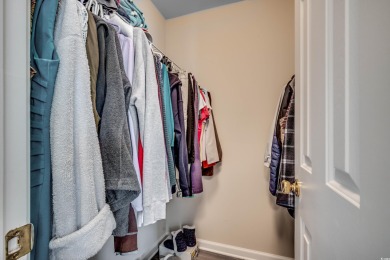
141 160
203 116
206 165
208 169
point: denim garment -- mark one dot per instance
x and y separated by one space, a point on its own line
45 61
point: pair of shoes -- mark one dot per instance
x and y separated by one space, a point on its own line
181 239
189 235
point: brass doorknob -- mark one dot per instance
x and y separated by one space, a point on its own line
288 187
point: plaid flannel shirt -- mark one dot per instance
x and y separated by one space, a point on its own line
287 163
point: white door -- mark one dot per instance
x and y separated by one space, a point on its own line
343 129
14 117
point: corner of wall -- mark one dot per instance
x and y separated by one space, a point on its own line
244 65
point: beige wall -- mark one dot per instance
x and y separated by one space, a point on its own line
243 53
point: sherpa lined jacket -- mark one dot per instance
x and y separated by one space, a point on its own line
82 220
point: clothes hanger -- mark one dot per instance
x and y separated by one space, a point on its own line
165 60
160 55
155 51
181 72
101 11
88 5
167 63
95 7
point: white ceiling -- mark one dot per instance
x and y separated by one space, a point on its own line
174 8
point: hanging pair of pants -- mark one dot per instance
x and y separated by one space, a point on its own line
45 61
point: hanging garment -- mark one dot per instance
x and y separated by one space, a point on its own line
276 150
169 124
274 165
113 92
93 61
191 121
208 170
146 114
128 243
203 117
82 220
219 147
196 167
127 47
167 100
209 153
32 10
109 4
272 151
137 204
284 106
171 189
184 80
180 148
122 27
282 123
140 153
269 146
125 35
210 140
130 12
287 164
45 61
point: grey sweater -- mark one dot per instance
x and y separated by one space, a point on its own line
113 92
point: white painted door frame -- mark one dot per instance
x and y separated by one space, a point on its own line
14 116
2 130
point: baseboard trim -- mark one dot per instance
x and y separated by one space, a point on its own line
155 247
237 252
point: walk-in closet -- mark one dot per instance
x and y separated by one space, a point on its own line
194 129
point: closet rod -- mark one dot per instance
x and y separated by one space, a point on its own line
177 66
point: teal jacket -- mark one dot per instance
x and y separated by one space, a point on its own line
166 95
45 61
